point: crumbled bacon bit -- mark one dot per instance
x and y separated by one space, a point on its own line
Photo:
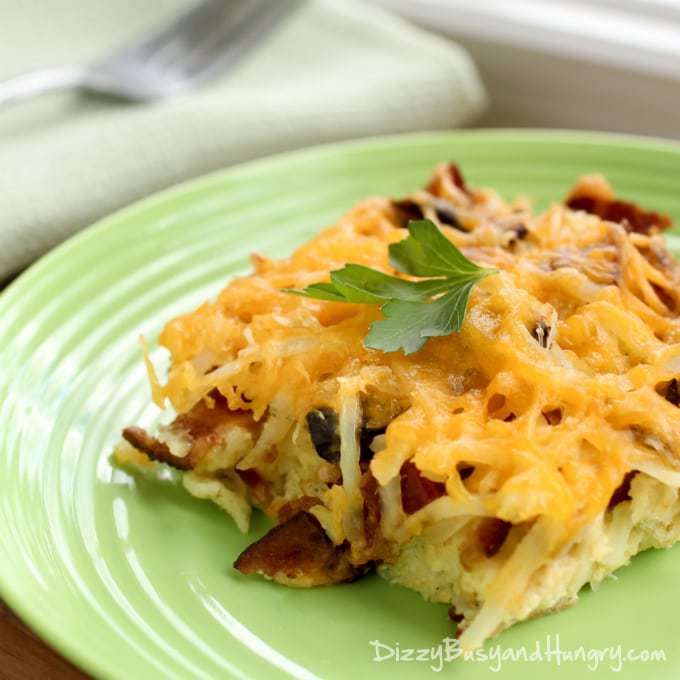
622 491
416 490
200 425
288 510
631 216
673 393
453 171
457 176
250 477
553 416
156 449
519 232
465 470
491 534
369 491
455 616
299 553
203 419
584 203
407 210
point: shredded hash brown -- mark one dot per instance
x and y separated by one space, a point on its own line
498 469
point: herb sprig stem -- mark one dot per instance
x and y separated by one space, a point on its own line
414 311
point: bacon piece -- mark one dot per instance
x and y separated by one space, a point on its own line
156 449
250 477
622 491
299 553
200 425
457 177
455 616
372 512
520 230
673 393
407 210
292 508
553 416
416 490
491 534
594 195
376 548
466 470
453 171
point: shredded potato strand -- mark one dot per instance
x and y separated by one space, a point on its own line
551 392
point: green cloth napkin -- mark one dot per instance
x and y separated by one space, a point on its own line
331 71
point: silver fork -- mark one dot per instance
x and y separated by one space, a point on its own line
209 37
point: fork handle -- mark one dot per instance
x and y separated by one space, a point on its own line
33 83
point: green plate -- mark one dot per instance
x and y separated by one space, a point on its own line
131 578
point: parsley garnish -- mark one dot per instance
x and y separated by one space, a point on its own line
411 316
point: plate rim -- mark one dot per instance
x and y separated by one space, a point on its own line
50 634
554 135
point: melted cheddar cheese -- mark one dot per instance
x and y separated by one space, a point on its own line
552 391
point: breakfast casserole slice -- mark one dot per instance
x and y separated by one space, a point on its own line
497 469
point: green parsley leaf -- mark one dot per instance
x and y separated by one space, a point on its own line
408 325
319 291
427 252
411 314
355 277
356 283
